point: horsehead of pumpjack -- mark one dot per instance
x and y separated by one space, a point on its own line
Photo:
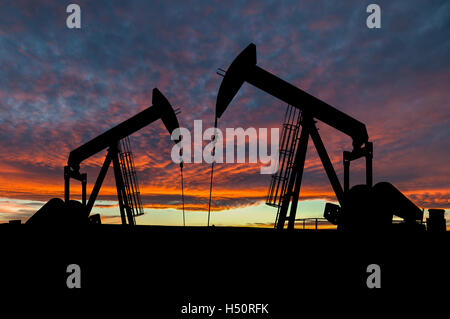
244 69
160 109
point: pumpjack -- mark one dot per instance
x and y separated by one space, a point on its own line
362 207
71 212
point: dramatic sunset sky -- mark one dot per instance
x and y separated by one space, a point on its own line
60 87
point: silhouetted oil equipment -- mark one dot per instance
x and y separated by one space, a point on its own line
130 179
362 206
288 144
57 211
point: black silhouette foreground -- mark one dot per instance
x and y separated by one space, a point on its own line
363 207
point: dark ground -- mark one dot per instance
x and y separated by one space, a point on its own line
160 269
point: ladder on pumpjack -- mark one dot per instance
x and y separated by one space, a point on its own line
130 180
289 139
